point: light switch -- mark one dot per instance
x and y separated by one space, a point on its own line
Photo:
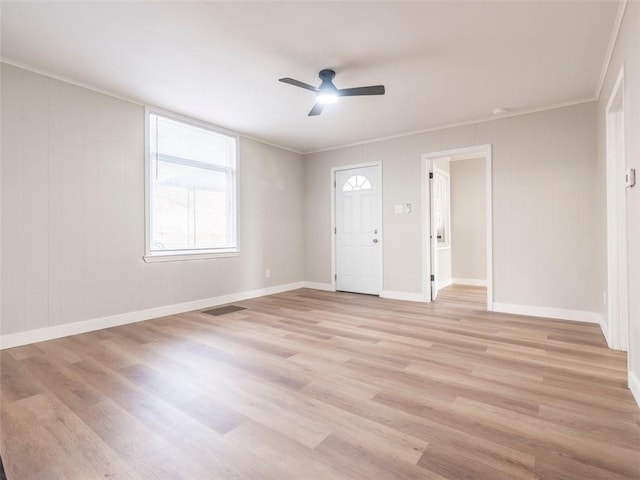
398 209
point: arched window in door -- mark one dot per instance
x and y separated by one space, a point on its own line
355 183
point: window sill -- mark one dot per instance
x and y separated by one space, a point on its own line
178 257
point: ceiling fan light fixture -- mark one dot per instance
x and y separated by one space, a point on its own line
326 98
327 93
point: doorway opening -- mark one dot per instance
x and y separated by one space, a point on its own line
457 223
357 228
617 331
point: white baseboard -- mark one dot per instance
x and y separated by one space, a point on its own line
472 282
327 287
408 296
548 312
445 284
634 386
49 333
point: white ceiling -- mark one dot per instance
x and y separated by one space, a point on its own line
441 62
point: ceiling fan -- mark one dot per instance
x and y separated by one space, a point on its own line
327 92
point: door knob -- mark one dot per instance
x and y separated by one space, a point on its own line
375 240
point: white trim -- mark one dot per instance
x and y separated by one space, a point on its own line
189 254
109 93
69 80
445 284
472 282
492 118
426 229
271 144
49 333
333 220
617 259
548 312
195 122
326 287
634 386
481 152
406 296
457 124
489 207
613 40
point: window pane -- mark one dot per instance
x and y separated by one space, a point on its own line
183 140
190 208
192 187
356 182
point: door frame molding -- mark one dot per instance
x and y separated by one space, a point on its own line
377 164
463 153
617 328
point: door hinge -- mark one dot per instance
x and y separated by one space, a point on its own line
433 278
335 276
335 230
430 174
334 184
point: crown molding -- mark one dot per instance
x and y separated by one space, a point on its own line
491 118
613 40
109 93
458 124
62 78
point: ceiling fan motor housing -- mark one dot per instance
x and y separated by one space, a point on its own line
328 93
327 76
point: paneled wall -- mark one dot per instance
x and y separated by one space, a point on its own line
545 212
73 212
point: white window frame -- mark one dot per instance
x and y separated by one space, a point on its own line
191 254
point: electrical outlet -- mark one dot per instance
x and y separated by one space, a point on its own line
407 207
267 273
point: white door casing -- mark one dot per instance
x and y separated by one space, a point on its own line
433 241
358 232
617 331
478 151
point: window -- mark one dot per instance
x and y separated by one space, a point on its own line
355 183
191 204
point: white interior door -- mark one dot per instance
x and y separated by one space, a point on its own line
358 231
433 185
440 221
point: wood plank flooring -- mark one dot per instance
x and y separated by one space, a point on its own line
319 385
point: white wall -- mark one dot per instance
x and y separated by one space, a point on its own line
627 52
544 227
468 219
73 212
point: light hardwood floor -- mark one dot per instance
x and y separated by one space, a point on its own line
319 385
